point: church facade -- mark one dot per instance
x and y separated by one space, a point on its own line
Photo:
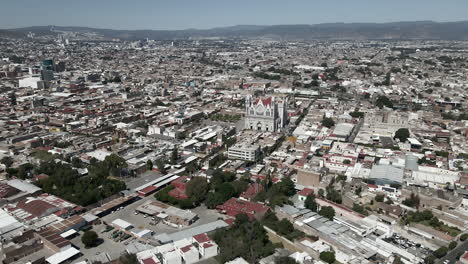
266 114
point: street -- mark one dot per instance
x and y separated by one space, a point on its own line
454 254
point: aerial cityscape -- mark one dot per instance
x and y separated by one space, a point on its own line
287 143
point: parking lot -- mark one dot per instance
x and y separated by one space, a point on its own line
142 221
137 220
106 245
408 245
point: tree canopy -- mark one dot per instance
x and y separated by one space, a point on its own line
310 203
382 101
327 256
127 258
7 161
402 134
328 122
89 238
197 188
328 212
65 182
412 201
239 240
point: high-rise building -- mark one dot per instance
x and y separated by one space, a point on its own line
48 64
267 114
47 75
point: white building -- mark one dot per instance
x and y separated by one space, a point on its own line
244 151
30 82
268 114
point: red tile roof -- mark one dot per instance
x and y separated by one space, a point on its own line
207 245
305 192
253 189
41 176
186 248
465 256
235 206
149 261
201 238
180 182
229 221
7 190
178 193
53 238
148 189
37 208
265 101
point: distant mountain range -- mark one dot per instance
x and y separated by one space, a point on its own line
423 30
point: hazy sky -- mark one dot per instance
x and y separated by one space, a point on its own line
182 14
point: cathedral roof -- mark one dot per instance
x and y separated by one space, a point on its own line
265 101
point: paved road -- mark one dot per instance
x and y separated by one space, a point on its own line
146 177
356 130
453 255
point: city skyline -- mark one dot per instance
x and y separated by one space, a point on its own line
177 15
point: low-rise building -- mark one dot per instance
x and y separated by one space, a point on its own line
244 151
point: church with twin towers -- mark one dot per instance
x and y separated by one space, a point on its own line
266 114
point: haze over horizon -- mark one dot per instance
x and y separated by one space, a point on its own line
178 14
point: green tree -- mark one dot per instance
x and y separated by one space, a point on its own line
241 219
397 260
379 198
214 199
360 209
328 212
463 237
240 186
76 162
161 164
430 259
442 251
149 165
24 170
321 192
334 195
191 167
402 134
285 227
357 114
127 258
226 190
197 188
452 245
383 101
328 122
412 201
286 186
327 256
174 156
7 161
89 238
241 239
112 165
310 203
